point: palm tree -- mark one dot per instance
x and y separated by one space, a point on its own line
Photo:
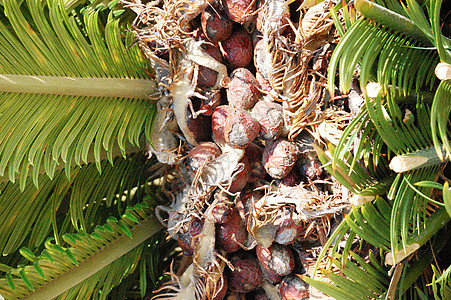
76 202
392 155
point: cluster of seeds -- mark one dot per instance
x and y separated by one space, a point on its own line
245 181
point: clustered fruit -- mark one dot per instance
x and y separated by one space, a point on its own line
244 115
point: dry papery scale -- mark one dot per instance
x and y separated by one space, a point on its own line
225 202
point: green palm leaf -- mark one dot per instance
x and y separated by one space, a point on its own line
88 193
86 264
49 119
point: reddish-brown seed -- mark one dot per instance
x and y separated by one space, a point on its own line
271 276
245 203
218 122
242 91
262 59
207 77
231 234
277 258
239 10
264 84
246 274
240 129
210 102
311 168
201 154
294 288
238 49
198 125
288 230
184 241
241 177
279 158
215 23
195 226
254 154
260 295
270 117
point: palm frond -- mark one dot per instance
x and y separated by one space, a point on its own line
87 192
86 264
441 283
42 130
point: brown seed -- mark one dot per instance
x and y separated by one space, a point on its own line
277 258
207 77
294 288
238 49
246 274
264 84
198 125
184 241
245 203
210 102
270 117
201 154
241 177
218 122
260 295
239 10
271 276
262 59
279 158
231 234
288 230
254 154
242 91
240 129
215 23
195 226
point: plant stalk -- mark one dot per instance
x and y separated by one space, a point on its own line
390 19
85 87
96 262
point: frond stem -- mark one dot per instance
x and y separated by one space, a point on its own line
96 262
85 87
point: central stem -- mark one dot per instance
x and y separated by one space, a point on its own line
87 87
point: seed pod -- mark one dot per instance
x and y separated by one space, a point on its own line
239 10
294 288
246 274
231 234
240 129
242 91
238 49
207 77
270 117
292 179
254 154
202 154
218 122
215 23
279 158
277 258
241 177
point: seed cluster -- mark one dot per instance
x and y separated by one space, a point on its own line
239 213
